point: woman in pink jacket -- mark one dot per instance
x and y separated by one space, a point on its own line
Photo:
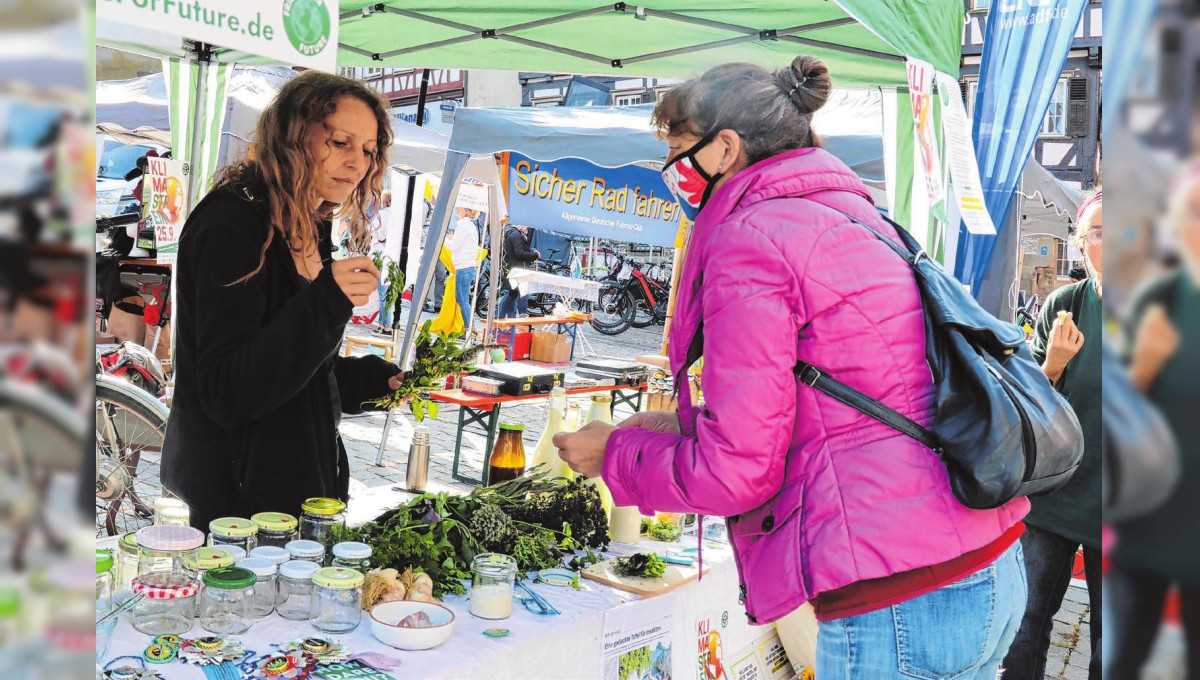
824 504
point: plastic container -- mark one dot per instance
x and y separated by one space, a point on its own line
234 531
493 577
227 600
338 595
508 455
309 551
266 573
276 528
352 555
171 512
294 598
104 581
127 561
320 518
270 552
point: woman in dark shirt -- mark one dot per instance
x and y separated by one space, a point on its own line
261 308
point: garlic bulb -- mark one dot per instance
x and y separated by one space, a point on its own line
382 585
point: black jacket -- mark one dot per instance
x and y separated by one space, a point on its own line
517 251
259 384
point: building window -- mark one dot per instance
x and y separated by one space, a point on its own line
556 101
1063 262
1055 124
980 5
627 99
972 94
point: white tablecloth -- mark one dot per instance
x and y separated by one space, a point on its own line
564 646
531 282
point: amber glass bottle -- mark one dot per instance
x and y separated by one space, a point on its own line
508 456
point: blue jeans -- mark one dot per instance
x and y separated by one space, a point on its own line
464 279
385 315
512 303
960 631
1049 561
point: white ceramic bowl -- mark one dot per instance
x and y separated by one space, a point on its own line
385 619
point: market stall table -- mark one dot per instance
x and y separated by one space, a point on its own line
569 645
505 328
484 410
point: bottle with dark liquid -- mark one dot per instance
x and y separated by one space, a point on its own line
508 456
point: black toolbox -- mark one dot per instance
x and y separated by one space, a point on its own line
521 379
624 371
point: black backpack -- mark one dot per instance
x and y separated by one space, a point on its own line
1000 427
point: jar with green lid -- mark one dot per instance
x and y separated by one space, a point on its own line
276 528
208 558
352 555
104 581
10 610
171 512
338 594
227 600
235 531
127 562
320 518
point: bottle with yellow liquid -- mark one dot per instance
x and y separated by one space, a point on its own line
546 454
601 410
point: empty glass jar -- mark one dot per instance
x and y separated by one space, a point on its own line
309 551
295 590
338 599
165 608
235 531
104 581
169 605
269 552
172 512
127 561
265 573
162 549
352 555
276 528
319 519
227 600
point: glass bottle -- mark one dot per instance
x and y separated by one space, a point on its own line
574 417
601 410
320 518
508 455
338 596
295 589
235 531
276 528
546 454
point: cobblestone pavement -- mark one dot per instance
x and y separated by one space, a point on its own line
1071 642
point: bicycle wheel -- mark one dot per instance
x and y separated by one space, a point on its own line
642 317
39 435
613 313
483 295
130 428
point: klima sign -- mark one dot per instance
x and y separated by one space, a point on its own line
293 32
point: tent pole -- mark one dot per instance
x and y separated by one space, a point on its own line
196 143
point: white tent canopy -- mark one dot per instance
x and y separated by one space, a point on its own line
1050 204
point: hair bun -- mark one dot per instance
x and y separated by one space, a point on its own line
806 82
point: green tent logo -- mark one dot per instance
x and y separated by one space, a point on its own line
306 23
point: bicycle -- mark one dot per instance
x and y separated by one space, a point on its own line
622 297
130 428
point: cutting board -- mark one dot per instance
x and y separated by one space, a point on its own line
674 576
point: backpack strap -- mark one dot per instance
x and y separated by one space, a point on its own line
817 379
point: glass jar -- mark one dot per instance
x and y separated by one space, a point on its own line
493 578
272 553
171 512
294 590
104 581
235 531
265 573
206 559
227 599
127 561
352 555
309 551
338 595
164 609
162 550
320 519
10 611
508 455
276 528
237 552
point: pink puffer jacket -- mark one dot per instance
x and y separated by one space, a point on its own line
819 495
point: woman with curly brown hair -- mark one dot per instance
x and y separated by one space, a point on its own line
261 308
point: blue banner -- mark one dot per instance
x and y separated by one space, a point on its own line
572 196
1127 23
1024 50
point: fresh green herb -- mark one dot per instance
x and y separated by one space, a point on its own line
647 525
438 355
664 530
646 565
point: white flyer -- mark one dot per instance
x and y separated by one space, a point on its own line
964 167
637 640
920 93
